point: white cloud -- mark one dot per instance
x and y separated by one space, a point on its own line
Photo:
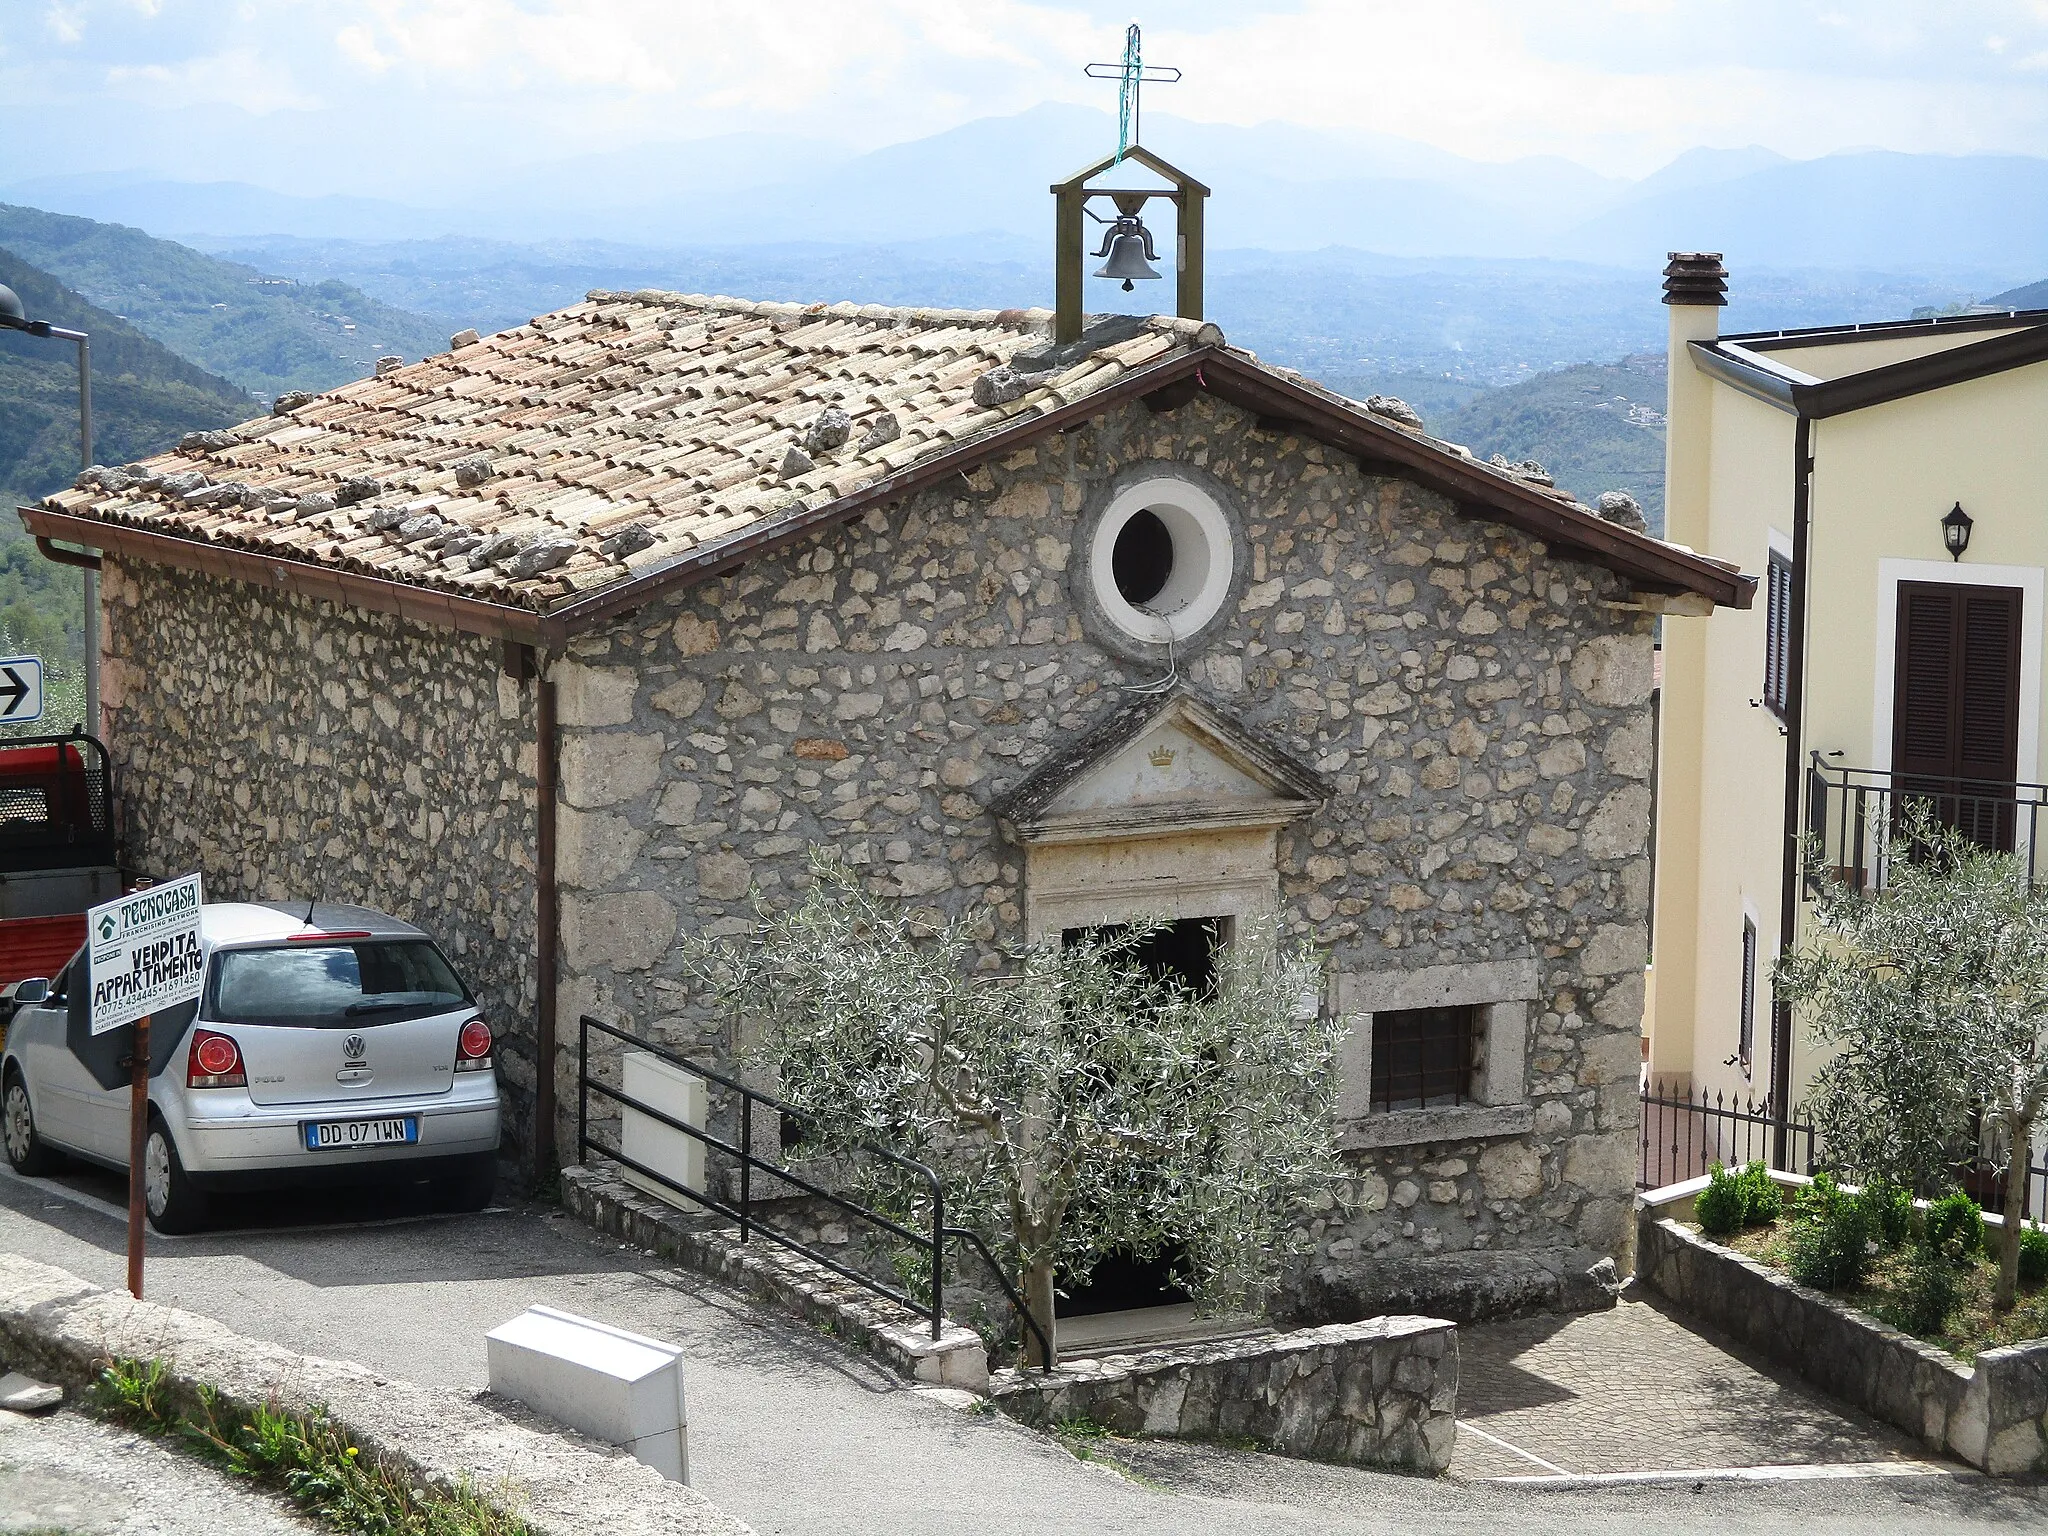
239 77
1619 84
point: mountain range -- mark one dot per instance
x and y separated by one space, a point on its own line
144 397
265 332
1278 187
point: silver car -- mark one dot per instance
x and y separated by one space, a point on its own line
331 1044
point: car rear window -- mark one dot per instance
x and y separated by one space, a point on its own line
333 986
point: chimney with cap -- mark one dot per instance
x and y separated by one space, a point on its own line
1696 290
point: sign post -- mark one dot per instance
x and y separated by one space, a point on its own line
145 957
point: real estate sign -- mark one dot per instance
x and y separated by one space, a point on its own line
145 953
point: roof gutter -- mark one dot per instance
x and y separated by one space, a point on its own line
1817 399
425 605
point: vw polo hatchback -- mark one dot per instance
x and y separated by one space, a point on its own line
331 1044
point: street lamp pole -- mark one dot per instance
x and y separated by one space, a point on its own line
14 318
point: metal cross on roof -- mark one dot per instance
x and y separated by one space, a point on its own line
1132 72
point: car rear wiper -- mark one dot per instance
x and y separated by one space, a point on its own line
353 1010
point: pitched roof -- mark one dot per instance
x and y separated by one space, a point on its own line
535 482
2018 338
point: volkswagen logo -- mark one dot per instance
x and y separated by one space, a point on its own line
354 1048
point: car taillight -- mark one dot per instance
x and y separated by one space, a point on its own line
473 1047
215 1062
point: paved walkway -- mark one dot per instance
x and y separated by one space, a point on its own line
1641 1389
798 1437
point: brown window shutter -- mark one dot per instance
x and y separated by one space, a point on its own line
1988 727
1923 716
1956 706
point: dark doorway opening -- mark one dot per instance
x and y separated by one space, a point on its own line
1178 954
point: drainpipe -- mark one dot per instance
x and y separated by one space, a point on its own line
523 664
1795 767
545 776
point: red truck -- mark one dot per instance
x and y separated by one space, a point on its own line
57 853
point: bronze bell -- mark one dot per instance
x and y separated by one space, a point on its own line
1128 245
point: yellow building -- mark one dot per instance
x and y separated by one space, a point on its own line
1890 481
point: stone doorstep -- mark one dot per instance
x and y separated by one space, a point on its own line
892 1333
560 1483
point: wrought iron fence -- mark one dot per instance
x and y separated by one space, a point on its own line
748 1210
1851 813
1686 1133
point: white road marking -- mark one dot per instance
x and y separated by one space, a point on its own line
1820 1472
119 1213
65 1192
1548 1466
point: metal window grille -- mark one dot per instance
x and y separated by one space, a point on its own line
1421 1058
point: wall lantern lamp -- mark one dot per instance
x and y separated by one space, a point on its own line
1955 531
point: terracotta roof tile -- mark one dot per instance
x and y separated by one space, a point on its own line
669 410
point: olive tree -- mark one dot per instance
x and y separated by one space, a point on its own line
1071 1103
1932 995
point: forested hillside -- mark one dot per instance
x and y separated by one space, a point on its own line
144 397
1596 427
266 333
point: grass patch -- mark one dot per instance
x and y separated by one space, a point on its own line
1086 1439
311 1461
1886 1293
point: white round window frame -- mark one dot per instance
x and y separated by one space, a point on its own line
1204 560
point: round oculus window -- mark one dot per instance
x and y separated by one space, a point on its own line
1161 560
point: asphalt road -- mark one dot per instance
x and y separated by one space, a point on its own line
66 1475
793 1434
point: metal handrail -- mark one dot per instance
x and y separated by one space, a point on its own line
933 1245
1846 807
973 1240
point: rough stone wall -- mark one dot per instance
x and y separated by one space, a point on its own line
288 749
1480 706
1381 1393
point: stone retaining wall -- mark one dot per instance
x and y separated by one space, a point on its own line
1994 1416
1381 1393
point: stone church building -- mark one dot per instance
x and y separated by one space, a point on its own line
565 641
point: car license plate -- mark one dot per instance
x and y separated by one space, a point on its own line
332 1135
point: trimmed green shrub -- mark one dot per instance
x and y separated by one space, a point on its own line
1930 1293
2033 1256
1890 1207
2033 1251
1953 1227
1762 1201
1734 1200
1830 1242
1720 1206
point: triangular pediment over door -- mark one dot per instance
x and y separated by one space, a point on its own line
1169 809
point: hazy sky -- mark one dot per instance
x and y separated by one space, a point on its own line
398 95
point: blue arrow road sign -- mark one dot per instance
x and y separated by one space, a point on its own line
21 689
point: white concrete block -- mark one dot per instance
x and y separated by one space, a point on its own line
615 1386
679 1094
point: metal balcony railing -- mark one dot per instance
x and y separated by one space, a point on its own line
1852 814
